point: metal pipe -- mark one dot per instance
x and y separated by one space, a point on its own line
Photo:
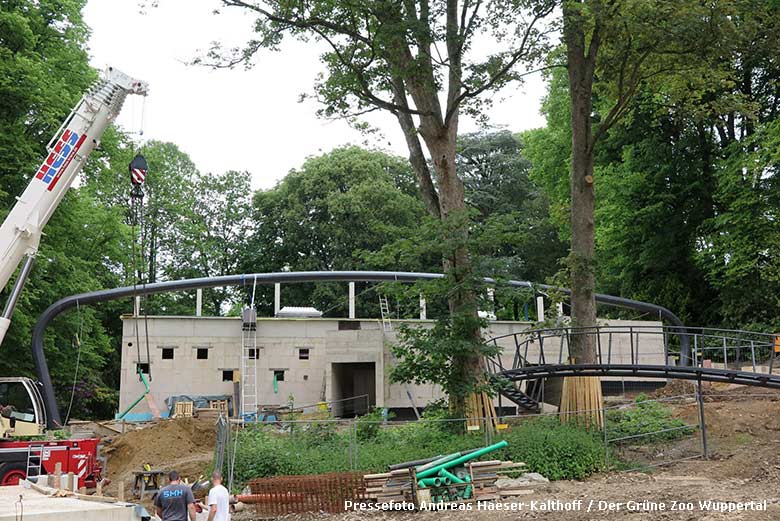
13 298
444 459
147 389
39 333
409 464
461 460
16 292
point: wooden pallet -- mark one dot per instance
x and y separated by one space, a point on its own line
183 410
220 405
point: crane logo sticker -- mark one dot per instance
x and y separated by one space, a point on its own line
59 158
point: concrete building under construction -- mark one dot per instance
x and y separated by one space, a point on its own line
304 359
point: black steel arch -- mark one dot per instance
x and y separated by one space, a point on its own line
705 374
64 304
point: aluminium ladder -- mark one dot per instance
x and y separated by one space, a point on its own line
384 309
34 461
249 356
387 327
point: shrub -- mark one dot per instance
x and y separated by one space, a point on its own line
644 419
554 449
368 425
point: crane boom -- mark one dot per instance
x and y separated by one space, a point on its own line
79 135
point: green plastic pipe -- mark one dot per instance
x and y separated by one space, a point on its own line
449 475
430 482
147 389
461 460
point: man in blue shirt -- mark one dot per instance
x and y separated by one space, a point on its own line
175 501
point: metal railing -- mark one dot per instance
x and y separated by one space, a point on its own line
638 346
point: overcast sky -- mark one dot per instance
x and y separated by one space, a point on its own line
236 119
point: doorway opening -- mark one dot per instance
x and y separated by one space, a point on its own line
354 388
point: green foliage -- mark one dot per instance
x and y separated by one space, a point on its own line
685 212
441 356
369 424
643 419
556 450
325 216
511 231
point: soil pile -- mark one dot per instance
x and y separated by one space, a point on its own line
184 444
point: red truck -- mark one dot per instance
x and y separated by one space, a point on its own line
23 448
77 456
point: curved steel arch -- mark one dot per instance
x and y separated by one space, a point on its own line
64 304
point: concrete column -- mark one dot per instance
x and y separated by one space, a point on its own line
423 308
560 309
277 298
199 302
351 300
540 308
137 310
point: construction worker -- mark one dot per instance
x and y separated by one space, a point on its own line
175 501
219 499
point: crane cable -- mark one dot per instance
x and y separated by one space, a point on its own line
138 217
79 332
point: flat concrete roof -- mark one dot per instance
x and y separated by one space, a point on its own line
39 507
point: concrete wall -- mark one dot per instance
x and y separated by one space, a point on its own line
279 342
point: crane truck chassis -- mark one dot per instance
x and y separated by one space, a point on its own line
24 446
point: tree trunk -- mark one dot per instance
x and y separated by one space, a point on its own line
457 264
583 202
583 281
582 347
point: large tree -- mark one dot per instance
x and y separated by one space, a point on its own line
328 215
416 61
44 70
627 43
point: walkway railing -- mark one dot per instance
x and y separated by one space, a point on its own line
719 355
639 345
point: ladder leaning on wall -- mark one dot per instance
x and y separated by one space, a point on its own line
249 356
387 327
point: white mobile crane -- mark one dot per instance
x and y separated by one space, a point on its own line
21 408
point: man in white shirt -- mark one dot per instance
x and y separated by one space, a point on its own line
219 499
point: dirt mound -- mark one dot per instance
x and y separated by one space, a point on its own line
185 445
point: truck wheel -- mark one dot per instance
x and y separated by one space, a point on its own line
11 473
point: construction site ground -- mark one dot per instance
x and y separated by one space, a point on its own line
744 466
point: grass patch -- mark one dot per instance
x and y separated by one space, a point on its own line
643 421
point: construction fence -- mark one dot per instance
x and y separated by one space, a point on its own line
632 436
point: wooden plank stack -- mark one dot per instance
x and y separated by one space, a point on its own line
397 486
207 413
484 475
